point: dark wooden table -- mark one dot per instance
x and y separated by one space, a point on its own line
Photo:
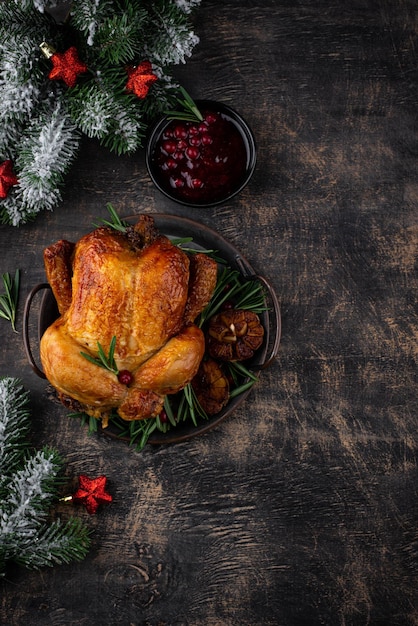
301 508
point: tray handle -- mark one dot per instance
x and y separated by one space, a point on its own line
248 273
26 340
276 323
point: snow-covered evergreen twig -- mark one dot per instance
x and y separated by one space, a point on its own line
29 482
110 36
14 426
45 154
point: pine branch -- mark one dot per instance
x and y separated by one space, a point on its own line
91 110
14 424
10 136
120 38
29 482
109 35
56 544
45 155
30 491
20 87
172 40
86 16
103 110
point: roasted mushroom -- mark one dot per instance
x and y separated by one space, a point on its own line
234 335
211 387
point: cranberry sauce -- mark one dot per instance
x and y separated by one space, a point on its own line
201 162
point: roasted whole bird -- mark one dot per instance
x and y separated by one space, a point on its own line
139 290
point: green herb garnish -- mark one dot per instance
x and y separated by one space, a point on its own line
189 113
86 420
247 294
10 299
106 361
115 222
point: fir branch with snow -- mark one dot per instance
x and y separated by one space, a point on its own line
110 37
29 483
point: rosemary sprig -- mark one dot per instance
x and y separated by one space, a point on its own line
189 113
169 411
86 420
189 407
242 377
106 361
180 241
10 299
246 294
115 222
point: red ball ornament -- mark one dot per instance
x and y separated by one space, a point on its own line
140 79
91 493
67 66
7 177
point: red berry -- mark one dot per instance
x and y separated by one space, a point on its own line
177 183
195 141
170 164
181 145
196 183
203 127
192 153
180 132
163 417
125 377
193 130
211 118
207 139
169 146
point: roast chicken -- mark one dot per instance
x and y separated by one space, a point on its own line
139 290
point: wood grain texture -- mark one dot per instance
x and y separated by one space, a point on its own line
302 508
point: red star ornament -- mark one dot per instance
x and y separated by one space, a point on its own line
140 79
7 178
67 66
91 493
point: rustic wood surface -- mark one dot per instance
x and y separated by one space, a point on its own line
301 509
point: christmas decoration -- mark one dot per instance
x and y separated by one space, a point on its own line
29 483
7 177
140 79
67 66
91 493
106 75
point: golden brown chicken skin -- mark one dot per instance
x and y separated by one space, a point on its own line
139 288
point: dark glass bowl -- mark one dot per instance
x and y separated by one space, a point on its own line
224 156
